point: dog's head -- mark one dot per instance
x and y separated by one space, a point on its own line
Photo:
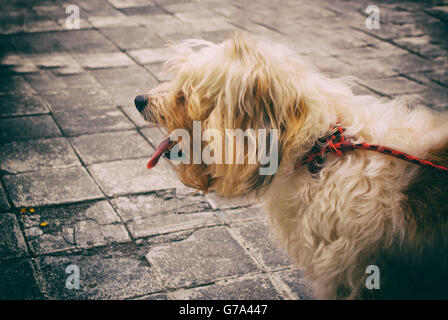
238 84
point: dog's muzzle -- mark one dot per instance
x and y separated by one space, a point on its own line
141 102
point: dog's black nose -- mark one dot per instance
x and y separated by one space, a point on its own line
140 102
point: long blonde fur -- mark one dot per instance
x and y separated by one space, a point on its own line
355 212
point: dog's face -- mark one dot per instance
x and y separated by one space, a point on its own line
238 84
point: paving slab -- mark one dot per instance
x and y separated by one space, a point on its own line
104 274
297 284
142 10
161 224
44 42
218 202
147 56
206 255
45 80
60 64
34 155
164 212
159 72
21 104
133 38
179 6
12 244
14 83
102 22
163 202
4 204
103 60
84 121
78 97
254 288
408 63
231 216
51 11
110 146
85 41
124 96
18 281
394 85
132 176
18 63
168 2
438 76
22 128
174 30
124 83
82 80
69 227
432 97
51 187
122 4
257 237
132 113
156 296
124 76
216 36
98 8
155 135
39 24
394 31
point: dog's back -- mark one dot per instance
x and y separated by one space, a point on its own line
417 267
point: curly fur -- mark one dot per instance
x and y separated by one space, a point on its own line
363 208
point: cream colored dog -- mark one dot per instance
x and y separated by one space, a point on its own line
363 208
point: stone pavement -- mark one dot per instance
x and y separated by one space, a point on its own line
74 185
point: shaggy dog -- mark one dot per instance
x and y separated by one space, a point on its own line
338 215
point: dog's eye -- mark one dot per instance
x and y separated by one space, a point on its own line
180 98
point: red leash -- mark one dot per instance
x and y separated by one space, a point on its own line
337 144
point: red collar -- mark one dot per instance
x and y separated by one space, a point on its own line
336 143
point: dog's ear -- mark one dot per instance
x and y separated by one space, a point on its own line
269 94
258 93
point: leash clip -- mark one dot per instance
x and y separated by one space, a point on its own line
338 148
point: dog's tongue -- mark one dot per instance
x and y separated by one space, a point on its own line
163 146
